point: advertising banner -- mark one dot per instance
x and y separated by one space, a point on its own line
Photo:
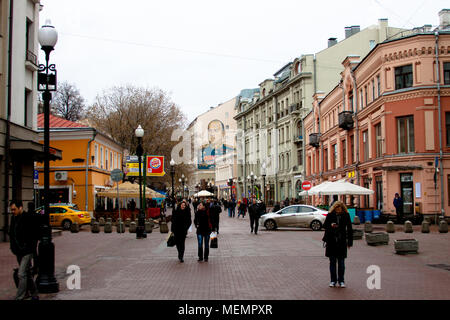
155 166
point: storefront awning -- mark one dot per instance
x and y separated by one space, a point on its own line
33 150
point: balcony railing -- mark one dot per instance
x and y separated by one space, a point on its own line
298 138
346 120
295 107
314 140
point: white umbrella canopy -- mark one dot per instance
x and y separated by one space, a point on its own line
343 187
129 190
204 193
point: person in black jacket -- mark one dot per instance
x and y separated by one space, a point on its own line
181 221
215 215
24 233
253 212
338 237
202 222
277 207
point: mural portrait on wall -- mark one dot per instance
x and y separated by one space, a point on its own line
216 145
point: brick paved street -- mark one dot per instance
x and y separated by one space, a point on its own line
283 264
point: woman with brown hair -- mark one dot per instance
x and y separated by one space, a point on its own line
181 221
338 237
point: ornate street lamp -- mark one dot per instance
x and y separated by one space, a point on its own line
251 178
172 173
140 230
263 173
46 280
182 180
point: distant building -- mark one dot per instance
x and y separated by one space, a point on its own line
89 156
270 122
212 136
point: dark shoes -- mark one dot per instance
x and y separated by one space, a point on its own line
206 259
181 260
200 260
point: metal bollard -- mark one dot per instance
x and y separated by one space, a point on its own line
95 228
368 227
425 227
132 228
149 227
408 227
120 227
74 228
101 221
390 227
108 227
443 226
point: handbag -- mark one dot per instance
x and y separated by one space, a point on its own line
214 242
171 240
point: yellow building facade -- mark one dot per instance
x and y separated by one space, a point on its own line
88 157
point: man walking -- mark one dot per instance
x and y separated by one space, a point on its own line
398 204
215 215
253 212
24 231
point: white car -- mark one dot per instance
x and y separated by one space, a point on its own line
303 216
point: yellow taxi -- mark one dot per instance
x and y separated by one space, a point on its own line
64 214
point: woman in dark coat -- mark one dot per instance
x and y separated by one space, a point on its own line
181 221
202 222
338 237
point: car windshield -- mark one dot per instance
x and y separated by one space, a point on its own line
74 208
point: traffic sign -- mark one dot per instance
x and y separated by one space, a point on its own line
306 185
116 175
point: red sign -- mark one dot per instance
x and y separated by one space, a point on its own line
155 166
306 185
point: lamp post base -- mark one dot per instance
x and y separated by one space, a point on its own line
46 281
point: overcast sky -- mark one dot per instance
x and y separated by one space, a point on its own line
204 52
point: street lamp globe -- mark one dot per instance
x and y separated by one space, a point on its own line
139 132
172 162
251 174
48 36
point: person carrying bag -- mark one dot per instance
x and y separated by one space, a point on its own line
181 221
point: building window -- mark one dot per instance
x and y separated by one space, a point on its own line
379 142
288 165
365 96
405 132
335 156
378 86
447 127
403 77
96 155
365 142
344 152
361 97
101 157
373 90
446 72
28 109
110 159
300 157
352 149
325 159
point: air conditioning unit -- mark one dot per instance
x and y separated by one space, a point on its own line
60 175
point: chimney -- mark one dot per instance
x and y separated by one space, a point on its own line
348 32
331 42
355 29
383 25
444 19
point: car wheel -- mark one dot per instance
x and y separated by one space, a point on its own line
66 224
316 225
270 224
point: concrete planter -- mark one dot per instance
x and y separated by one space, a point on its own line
95 228
109 220
443 226
425 227
127 222
132 228
74 228
377 238
101 221
368 228
108 227
390 227
405 246
356 220
357 234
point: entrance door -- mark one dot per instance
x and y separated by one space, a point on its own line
407 192
379 188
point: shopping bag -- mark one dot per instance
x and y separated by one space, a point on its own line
214 242
190 228
171 240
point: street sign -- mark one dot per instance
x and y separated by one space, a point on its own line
116 175
306 185
155 166
36 177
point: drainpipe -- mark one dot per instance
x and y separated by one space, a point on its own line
355 108
8 126
88 152
441 169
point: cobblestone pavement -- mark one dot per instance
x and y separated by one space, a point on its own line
286 264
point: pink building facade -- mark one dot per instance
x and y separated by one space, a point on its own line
386 124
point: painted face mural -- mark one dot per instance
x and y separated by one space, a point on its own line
215 147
